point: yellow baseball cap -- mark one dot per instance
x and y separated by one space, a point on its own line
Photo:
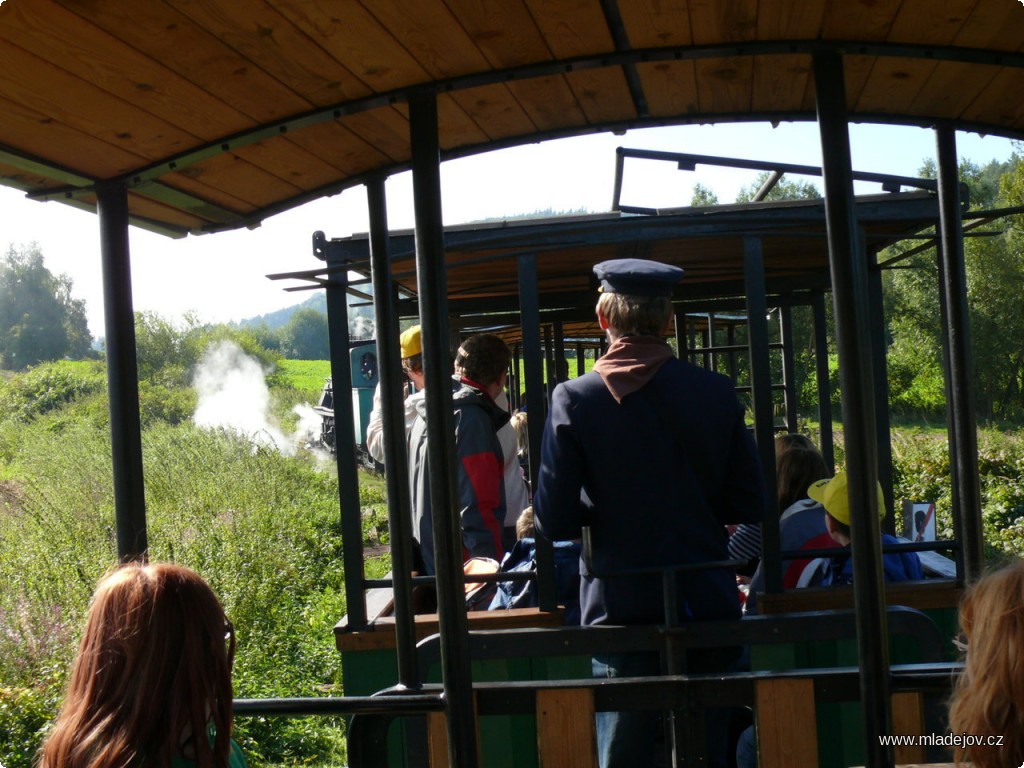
832 495
410 342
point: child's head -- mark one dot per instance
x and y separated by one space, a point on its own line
832 495
524 524
152 674
989 696
798 463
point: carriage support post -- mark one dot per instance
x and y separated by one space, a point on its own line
393 418
961 368
122 372
437 367
849 294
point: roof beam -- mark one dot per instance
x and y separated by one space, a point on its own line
32 164
613 18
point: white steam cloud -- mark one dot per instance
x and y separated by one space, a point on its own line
360 328
233 395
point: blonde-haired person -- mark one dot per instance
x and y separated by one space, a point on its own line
517 488
522 433
651 453
989 696
151 683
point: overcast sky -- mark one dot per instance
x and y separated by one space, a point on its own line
222 277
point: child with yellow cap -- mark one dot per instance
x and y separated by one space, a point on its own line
832 495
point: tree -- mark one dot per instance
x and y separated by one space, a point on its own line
168 352
995 272
39 320
305 336
784 190
703 196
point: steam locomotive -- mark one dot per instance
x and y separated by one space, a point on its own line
363 362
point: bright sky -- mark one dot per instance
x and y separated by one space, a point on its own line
223 277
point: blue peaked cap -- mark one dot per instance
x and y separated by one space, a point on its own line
637 277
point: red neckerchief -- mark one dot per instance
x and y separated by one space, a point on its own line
630 362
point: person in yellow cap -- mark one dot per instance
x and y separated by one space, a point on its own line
833 496
412 364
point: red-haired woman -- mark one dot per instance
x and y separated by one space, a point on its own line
151 684
988 702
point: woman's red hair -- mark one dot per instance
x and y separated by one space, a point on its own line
988 699
152 676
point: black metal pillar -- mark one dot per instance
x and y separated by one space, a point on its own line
730 340
824 385
681 351
790 394
344 445
712 358
122 373
849 293
761 392
396 455
533 359
947 384
581 364
691 340
431 276
514 382
549 363
961 364
561 364
883 434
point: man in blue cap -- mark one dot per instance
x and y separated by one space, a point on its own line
652 453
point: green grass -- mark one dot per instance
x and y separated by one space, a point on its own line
262 528
306 376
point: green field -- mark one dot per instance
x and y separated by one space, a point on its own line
307 376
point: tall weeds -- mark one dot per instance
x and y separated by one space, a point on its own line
260 527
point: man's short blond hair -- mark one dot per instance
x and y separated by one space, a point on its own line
635 315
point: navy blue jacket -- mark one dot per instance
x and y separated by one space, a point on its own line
896 566
656 479
523 594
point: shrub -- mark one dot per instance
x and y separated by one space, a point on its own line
24 715
49 386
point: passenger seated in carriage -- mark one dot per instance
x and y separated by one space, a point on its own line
523 557
798 464
897 566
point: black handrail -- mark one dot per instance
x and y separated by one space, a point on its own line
393 703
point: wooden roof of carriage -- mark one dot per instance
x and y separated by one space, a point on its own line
219 113
707 242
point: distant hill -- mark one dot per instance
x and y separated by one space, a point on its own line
280 318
